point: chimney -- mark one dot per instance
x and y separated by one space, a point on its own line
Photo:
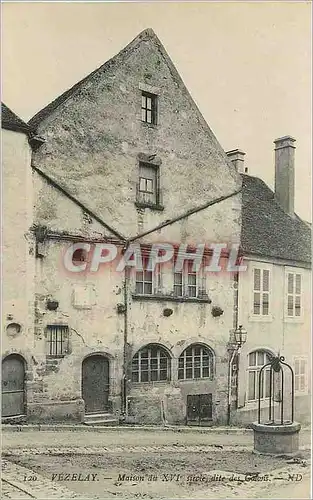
236 156
284 172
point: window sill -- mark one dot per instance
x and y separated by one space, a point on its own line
171 298
260 319
253 405
157 382
152 206
198 379
293 319
149 125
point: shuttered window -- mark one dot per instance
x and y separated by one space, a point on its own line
294 292
300 368
261 292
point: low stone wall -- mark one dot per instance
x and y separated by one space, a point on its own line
56 411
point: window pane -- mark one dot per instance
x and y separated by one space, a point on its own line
144 364
297 383
257 279
297 305
197 351
256 303
290 283
135 377
148 288
149 106
189 373
265 304
148 276
192 279
143 101
180 373
297 366
197 373
164 375
257 381
266 280
192 291
149 119
252 359
178 291
206 372
144 376
260 356
181 362
267 383
149 186
251 389
178 278
154 375
302 383
298 283
290 305
139 287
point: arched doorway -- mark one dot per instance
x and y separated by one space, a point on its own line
95 383
13 386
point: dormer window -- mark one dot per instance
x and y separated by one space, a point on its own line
149 108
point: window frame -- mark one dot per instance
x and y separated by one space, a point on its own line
156 278
138 358
204 351
145 109
294 272
61 340
144 197
185 285
256 369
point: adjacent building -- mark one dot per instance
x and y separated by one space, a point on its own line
125 157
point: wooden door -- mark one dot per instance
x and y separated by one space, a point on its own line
199 408
13 386
95 384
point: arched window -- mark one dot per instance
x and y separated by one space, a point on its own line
195 362
256 360
151 364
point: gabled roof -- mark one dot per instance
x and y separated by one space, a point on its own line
11 121
145 35
43 113
267 230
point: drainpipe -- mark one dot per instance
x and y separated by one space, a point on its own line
124 405
237 349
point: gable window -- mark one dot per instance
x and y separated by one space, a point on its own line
149 108
57 340
300 367
195 362
261 292
151 364
294 287
148 189
257 359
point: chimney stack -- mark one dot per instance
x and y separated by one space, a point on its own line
284 172
236 156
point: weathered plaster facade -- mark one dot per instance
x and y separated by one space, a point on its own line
93 144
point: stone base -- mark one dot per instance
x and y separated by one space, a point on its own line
276 439
56 411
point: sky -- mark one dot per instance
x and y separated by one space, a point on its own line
246 64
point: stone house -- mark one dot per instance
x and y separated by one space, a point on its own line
125 157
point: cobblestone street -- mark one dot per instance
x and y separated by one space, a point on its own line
152 464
